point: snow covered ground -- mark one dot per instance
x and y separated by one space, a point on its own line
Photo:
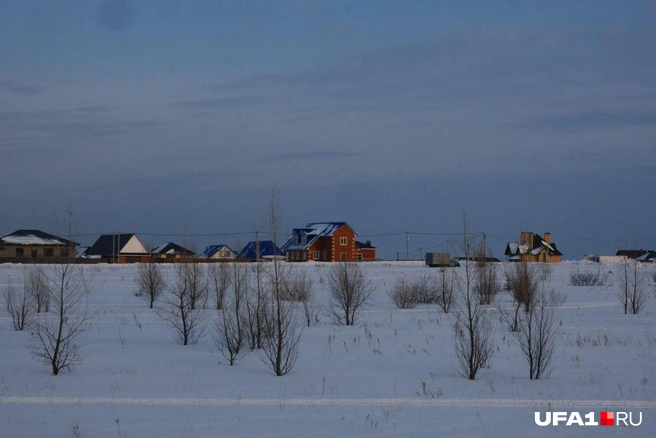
392 374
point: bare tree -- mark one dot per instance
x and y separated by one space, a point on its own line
58 335
524 282
150 281
280 324
255 306
472 330
486 284
349 290
299 288
537 334
445 285
219 278
196 283
632 293
19 305
230 327
403 294
179 309
35 285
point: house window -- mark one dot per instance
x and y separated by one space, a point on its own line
343 241
48 252
343 256
304 255
64 252
315 255
19 252
359 257
325 255
33 252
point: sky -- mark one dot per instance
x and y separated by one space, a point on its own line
176 120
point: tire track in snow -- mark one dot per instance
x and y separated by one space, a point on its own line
482 403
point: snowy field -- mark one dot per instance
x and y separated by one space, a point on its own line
392 374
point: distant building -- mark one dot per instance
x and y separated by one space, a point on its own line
218 252
122 248
533 248
266 249
325 242
35 244
642 255
365 252
170 250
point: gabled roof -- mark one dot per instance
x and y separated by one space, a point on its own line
34 237
107 243
632 253
172 248
539 244
366 245
267 249
312 232
646 257
211 250
81 251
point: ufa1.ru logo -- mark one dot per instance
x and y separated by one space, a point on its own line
575 419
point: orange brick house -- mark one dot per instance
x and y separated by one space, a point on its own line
322 241
533 248
365 252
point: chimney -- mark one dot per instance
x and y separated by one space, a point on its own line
526 237
547 237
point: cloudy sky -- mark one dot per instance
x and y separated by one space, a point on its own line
177 118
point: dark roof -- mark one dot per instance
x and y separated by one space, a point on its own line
312 232
25 235
366 245
213 249
108 242
267 249
632 253
517 248
172 248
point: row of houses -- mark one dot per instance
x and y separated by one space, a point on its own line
320 241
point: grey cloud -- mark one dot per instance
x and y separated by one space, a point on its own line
315 155
19 88
222 102
594 120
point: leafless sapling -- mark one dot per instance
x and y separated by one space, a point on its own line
180 309
446 296
150 282
37 289
58 333
537 333
18 303
632 292
403 294
486 283
219 278
280 324
472 329
349 289
230 327
298 287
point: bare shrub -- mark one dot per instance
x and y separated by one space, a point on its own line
255 305
349 290
299 288
219 278
36 288
19 305
472 330
150 282
537 334
445 289
180 309
588 278
58 335
230 327
632 293
194 276
404 294
486 283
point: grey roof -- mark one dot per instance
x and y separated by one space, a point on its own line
34 237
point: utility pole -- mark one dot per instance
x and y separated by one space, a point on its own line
420 258
407 246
